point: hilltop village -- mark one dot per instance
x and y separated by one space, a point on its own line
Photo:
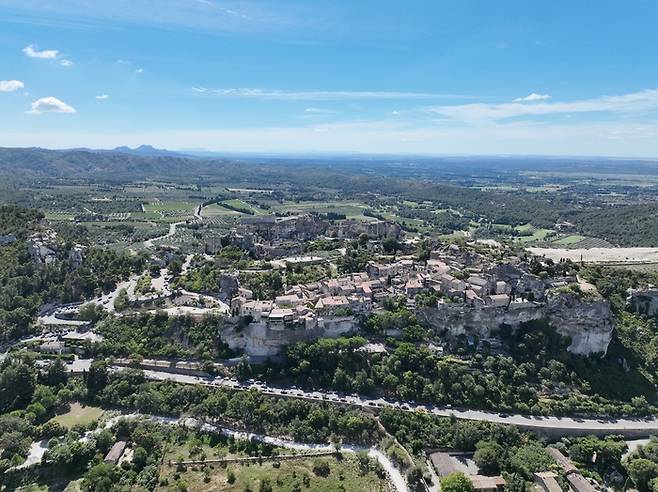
469 291
465 291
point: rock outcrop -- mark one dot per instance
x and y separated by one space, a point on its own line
259 339
588 321
228 287
42 248
378 229
644 301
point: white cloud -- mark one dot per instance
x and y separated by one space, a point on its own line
533 97
102 97
316 95
139 71
10 85
50 105
66 63
626 104
45 54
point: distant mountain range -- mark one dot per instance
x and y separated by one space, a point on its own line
145 162
142 150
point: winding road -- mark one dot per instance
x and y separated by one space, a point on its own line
629 427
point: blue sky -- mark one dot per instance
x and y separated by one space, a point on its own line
570 77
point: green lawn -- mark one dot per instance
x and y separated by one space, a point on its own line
79 414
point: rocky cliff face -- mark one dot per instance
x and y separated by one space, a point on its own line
459 319
42 249
228 287
587 321
260 340
644 301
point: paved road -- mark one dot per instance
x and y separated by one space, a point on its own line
567 425
172 230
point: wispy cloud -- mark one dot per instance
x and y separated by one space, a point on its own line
31 52
206 15
66 63
102 97
50 105
319 95
139 71
319 111
626 104
11 85
533 97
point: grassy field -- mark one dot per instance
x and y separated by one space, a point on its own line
78 415
215 210
59 216
352 210
537 234
344 474
246 206
569 240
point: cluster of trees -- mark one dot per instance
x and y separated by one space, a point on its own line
395 319
28 399
444 222
25 285
355 258
497 449
160 335
635 339
264 285
642 466
630 225
302 420
269 284
531 381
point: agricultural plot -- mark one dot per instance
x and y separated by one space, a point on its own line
242 205
59 216
352 210
215 210
171 209
119 216
569 240
325 474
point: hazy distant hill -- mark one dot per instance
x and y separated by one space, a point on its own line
28 164
82 163
148 150
143 162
